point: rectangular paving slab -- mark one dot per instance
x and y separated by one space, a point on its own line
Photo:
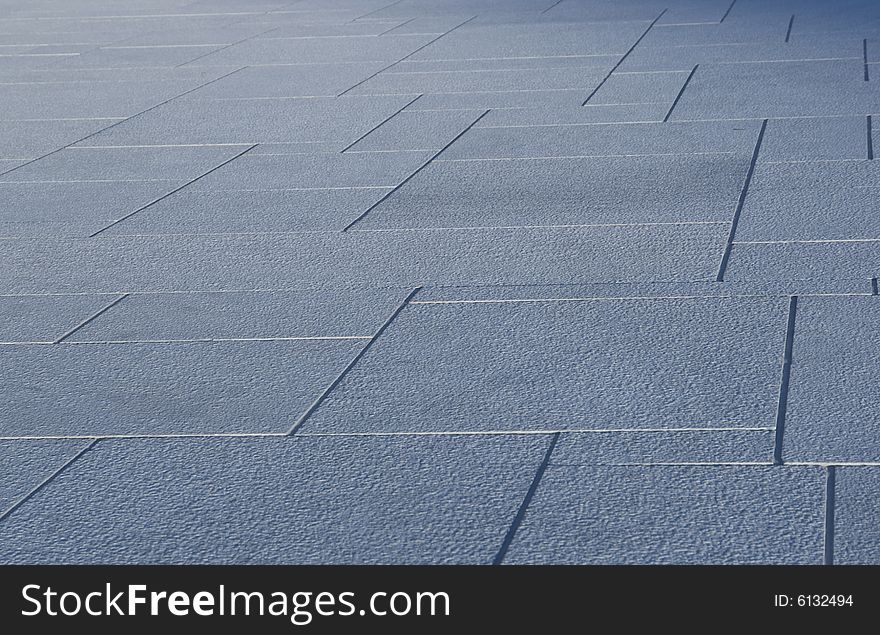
46 318
26 464
674 515
405 500
856 515
624 364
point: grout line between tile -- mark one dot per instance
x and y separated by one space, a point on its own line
726 13
521 512
788 31
870 139
865 58
381 123
829 514
680 93
21 501
782 404
722 268
874 289
621 60
326 392
172 192
97 314
551 6
417 170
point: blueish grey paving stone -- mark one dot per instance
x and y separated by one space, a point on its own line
336 27
583 62
686 56
221 211
73 208
121 164
77 99
402 500
120 57
305 51
805 260
640 88
697 188
404 258
292 171
249 121
589 114
832 138
810 214
165 388
566 365
818 175
244 314
207 37
674 515
777 89
610 290
300 80
504 99
830 415
856 515
666 34
25 464
476 40
605 140
394 82
641 448
417 131
31 139
46 318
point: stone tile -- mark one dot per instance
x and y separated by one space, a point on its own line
830 416
189 388
589 114
640 448
697 188
823 139
395 500
245 314
674 515
394 82
46 318
31 139
408 131
856 515
566 365
640 88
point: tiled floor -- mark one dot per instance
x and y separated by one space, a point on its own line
443 281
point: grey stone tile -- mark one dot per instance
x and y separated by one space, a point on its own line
503 99
810 214
674 515
830 416
566 365
833 138
605 140
856 515
779 89
221 211
31 139
476 40
306 51
666 34
121 57
122 164
194 121
395 82
395 500
640 448
72 208
245 314
25 464
165 388
583 62
697 188
46 318
295 80
805 260
288 171
404 258
817 175
640 88
589 114
409 131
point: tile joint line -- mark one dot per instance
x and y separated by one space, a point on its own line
417 170
530 494
382 123
830 478
788 32
680 93
722 268
21 501
784 383
89 319
326 392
